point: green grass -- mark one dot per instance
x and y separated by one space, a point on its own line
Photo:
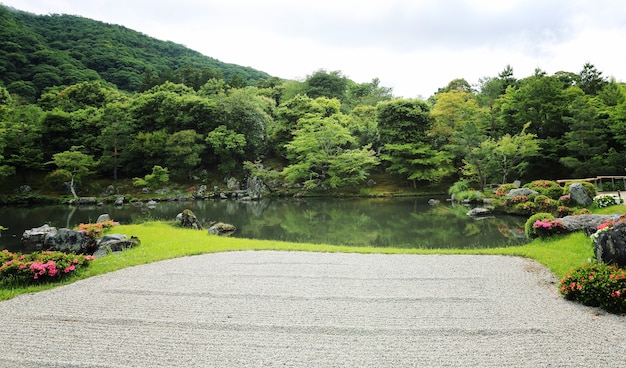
161 241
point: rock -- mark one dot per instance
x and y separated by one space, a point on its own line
521 192
119 201
69 241
610 246
24 189
588 223
479 212
433 202
151 204
254 186
232 184
110 190
200 193
118 242
145 190
579 195
223 196
34 238
221 228
87 201
103 218
188 220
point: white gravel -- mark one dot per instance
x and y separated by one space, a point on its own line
298 309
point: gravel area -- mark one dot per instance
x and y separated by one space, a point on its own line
298 309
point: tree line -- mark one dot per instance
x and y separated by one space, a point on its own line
325 131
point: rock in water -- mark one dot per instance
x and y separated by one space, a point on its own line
221 228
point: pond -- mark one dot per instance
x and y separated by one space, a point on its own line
379 222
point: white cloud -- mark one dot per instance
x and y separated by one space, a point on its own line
413 46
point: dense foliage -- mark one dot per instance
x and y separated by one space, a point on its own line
82 99
37 52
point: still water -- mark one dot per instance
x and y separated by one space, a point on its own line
378 222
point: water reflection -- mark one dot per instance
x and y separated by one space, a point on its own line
379 222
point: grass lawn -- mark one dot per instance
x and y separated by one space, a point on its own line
160 241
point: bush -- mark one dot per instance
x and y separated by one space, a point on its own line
547 205
39 266
596 285
458 187
525 208
590 188
605 201
549 188
529 227
468 195
504 189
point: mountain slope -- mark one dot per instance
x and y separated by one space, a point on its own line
39 51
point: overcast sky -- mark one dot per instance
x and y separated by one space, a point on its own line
412 46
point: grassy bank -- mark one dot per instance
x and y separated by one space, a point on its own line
162 241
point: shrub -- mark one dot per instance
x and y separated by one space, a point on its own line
565 200
529 225
95 231
605 201
581 211
547 205
549 188
596 285
458 187
39 266
504 189
590 188
563 211
525 208
468 195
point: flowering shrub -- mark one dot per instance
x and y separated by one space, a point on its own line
504 189
596 285
565 200
546 204
529 227
563 211
547 227
605 226
39 266
582 211
548 188
605 201
519 199
96 230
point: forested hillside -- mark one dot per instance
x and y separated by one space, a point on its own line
324 132
37 52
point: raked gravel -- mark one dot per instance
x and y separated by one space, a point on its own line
298 309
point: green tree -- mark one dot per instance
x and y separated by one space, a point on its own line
228 147
407 150
511 152
76 163
159 175
183 151
591 79
417 161
326 84
22 137
321 155
586 141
